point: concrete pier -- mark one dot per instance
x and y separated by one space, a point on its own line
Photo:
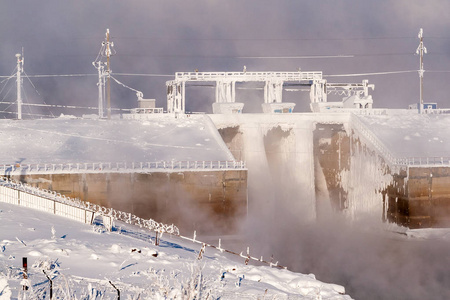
420 197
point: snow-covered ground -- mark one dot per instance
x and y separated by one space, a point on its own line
82 260
70 140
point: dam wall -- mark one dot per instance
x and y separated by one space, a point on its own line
212 201
298 167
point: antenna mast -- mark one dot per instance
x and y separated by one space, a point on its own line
421 50
19 85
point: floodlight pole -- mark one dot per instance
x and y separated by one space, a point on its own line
19 85
421 50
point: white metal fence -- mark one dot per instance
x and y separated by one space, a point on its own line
21 195
24 195
7 169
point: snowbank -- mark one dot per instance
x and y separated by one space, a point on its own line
81 260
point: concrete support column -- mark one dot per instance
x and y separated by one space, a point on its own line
273 92
318 91
225 91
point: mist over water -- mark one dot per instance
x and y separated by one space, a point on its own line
370 262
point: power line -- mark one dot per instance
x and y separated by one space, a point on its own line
295 57
265 39
308 56
126 86
371 74
62 75
64 106
145 75
29 114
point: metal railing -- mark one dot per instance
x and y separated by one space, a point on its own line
390 158
147 110
49 201
7 169
23 195
414 161
247 76
370 137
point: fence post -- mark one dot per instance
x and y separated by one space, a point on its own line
25 272
118 292
51 285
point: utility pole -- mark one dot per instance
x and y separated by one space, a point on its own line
19 85
101 87
421 50
108 71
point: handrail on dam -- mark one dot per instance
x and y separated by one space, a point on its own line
374 140
387 154
416 161
124 166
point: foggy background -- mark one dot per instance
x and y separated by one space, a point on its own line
163 37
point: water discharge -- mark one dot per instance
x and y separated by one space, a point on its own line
287 195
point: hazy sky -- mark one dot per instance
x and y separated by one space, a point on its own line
163 37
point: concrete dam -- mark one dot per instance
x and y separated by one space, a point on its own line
213 173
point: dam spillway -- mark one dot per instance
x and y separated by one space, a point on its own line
308 165
377 166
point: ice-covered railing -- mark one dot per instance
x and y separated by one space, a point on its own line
118 167
371 138
416 161
25 195
247 76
